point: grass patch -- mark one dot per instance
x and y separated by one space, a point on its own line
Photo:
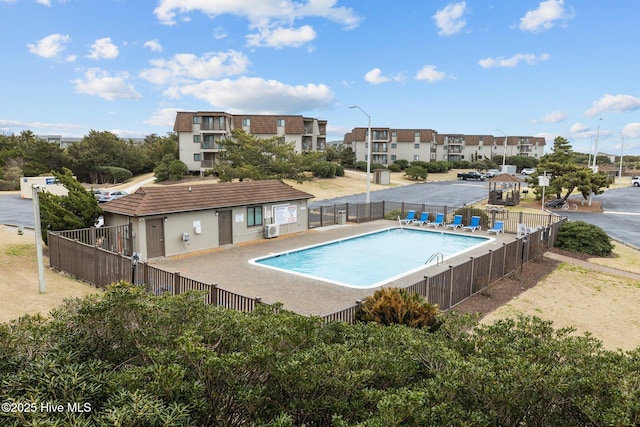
19 250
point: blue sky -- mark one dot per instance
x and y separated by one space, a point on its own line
545 68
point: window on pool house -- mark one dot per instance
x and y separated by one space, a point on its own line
254 216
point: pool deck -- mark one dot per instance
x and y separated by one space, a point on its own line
229 267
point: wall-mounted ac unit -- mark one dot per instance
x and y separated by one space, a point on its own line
271 231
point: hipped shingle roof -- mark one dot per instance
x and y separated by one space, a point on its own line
161 200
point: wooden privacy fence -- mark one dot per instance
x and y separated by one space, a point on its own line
459 282
365 212
101 267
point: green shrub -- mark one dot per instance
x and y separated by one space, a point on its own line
339 170
177 170
394 167
389 306
579 236
416 172
324 169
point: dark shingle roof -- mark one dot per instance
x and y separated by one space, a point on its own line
160 200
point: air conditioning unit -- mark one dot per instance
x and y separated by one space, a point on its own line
271 231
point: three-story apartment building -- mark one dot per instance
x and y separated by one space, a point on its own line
200 133
388 145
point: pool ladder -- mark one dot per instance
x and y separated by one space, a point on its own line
437 256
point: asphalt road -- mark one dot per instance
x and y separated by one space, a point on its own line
620 219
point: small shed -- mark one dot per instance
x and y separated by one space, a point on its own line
382 176
169 220
504 189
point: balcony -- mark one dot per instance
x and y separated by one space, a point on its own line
379 147
210 145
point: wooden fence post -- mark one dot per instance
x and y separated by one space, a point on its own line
450 286
213 292
176 283
473 263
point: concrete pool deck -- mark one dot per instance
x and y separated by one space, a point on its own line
230 269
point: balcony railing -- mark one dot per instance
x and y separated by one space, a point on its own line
210 145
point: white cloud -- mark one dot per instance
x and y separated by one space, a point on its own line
375 77
545 16
429 73
501 61
579 129
257 95
553 117
450 19
103 49
631 130
186 66
614 104
163 117
50 46
100 83
153 45
219 33
259 12
282 37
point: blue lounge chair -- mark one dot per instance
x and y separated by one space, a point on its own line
457 222
424 219
474 224
411 215
438 221
497 228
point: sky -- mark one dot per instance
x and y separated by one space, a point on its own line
549 68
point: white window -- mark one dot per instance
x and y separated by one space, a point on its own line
196 139
246 122
416 157
197 157
416 146
394 145
281 123
197 120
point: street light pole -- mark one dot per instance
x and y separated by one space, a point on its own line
367 198
504 151
621 154
595 151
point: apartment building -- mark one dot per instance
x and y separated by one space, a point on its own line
388 145
200 133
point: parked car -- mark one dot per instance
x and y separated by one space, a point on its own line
491 173
635 181
554 204
471 175
528 171
106 196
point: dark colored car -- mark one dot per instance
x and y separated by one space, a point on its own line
554 204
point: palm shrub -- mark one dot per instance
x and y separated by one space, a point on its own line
398 306
579 236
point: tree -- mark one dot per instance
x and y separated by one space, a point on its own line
247 156
78 209
565 174
104 149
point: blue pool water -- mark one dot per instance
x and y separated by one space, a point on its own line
372 259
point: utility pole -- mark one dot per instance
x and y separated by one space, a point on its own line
36 216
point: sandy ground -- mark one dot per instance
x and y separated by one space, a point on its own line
19 282
602 304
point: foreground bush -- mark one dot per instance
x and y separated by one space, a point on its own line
579 236
129 358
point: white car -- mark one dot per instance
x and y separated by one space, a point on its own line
492 172
528 171
635 181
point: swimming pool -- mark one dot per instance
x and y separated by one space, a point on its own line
372 259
